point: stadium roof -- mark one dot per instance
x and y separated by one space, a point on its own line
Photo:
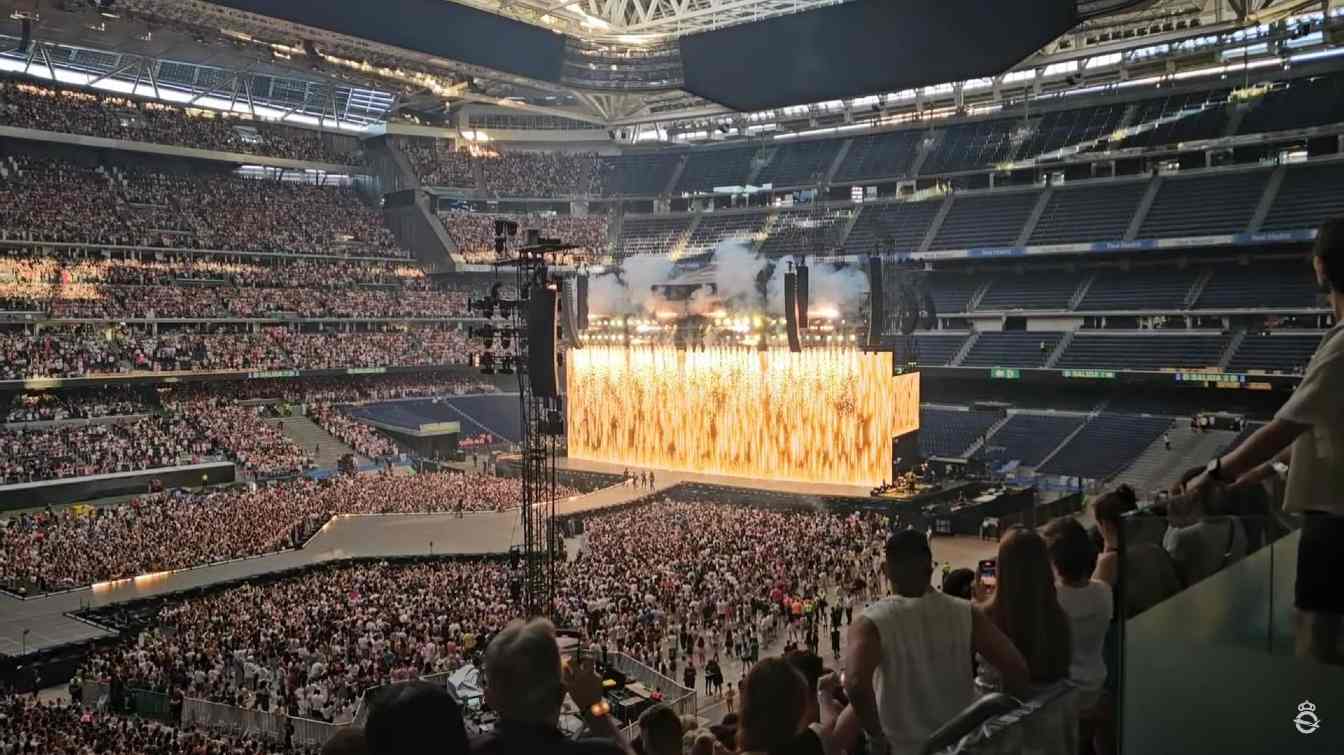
623 65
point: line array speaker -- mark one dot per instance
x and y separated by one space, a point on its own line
791 311
802 297
876 303
541 365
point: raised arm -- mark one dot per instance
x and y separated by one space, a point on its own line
862 657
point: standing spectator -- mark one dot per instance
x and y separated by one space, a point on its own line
774 703
908 661
1086 601
1150 577
1307 434
409 718
1025 607
524 685
660 731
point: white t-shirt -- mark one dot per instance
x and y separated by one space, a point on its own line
1089 610
924 679
1316 474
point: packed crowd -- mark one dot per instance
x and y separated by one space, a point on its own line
515 174
71 351
40 267
541 174
474 233
28 725
29 455
85 403
56 550
348 388
310 646
53 200
87 301
437 163
359 436
689 592
71 111
262 450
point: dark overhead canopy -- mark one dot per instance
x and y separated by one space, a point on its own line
849 50
436 27
866 47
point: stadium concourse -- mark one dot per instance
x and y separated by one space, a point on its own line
254 483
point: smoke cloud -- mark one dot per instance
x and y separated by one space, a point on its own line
746 282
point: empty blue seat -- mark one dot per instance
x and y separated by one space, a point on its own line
1106 445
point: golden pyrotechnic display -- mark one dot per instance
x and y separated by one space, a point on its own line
822 415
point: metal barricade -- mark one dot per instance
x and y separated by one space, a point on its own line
96 695
233 720
308 732
149 704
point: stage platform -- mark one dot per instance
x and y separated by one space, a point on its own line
746 483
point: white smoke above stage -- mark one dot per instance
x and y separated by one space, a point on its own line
744 282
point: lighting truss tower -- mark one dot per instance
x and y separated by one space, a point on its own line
542 424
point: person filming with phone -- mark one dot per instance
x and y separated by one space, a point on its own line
1017 593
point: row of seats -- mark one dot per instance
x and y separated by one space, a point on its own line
1106 445
1283 352
1205 204
1174 119
1028 438
1143 352
949 432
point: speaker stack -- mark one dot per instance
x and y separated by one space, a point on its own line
791 311
541 354
877 317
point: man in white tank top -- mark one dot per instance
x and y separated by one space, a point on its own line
908 662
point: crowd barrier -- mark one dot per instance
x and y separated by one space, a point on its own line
678 698
233 720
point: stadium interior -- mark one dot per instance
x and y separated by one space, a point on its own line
279 467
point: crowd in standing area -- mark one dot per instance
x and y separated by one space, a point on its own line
61 549
71 111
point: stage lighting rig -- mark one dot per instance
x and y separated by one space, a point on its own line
520 337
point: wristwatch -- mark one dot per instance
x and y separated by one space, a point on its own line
1215 468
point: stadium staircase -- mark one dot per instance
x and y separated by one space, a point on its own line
678 247
767 228
1267 199
1036 212
1157 468
1083 287
922 154
1198 288
417 228
1068 437
1231 350
676 174
835 166
759 162
965 349
1234 115
1060 348
1127 119
310 436
390 165
1141 212
937 222
973 303
989 433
